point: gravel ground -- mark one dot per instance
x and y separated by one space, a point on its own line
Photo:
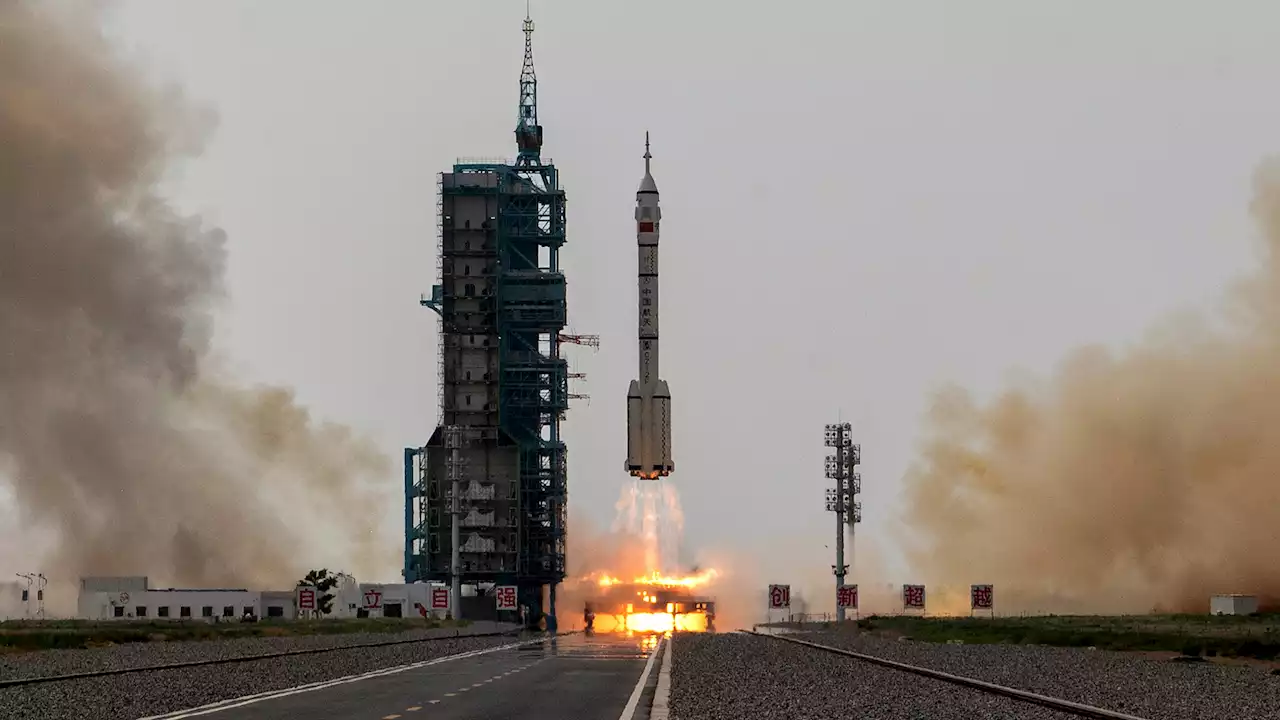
736 676
62 662
1126 682
125 697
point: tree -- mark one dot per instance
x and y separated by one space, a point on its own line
323 583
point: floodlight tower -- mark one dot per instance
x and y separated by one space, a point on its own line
841 467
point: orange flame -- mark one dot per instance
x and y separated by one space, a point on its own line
657 579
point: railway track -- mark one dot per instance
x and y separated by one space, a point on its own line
1052 703
19 682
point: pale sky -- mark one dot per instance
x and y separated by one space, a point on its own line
861 201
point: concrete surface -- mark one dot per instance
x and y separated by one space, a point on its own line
573 676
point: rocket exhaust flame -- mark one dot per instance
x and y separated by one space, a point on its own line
653 596
651 512
655 579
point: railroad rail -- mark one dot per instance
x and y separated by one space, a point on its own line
18 682
1066 706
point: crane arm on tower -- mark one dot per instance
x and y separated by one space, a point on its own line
591 341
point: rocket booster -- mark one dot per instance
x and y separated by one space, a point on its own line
648 397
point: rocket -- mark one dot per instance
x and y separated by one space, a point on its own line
648 397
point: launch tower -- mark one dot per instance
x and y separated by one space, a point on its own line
503 383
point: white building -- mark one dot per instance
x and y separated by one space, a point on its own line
132 598
280 604
384 600
1233 605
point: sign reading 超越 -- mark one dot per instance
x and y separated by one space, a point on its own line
439 598
913 597
847 597
506 595
779 597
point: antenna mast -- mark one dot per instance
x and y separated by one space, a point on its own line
528 131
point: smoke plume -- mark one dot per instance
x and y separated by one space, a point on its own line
1129 481
650 511
121 446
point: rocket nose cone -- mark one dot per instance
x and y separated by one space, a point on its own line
647 185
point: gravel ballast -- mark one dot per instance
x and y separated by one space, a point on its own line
132 655
136 695
737 676
1131 683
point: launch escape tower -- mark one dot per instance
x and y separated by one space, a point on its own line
503 383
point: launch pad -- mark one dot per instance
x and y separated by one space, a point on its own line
652 604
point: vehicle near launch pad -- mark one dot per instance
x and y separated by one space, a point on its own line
648 397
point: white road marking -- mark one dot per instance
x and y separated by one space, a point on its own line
433 702
450 695
311 687
629 711
476 684
415 708
390 717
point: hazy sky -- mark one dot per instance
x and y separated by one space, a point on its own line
862 200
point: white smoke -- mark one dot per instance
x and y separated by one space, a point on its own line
650 511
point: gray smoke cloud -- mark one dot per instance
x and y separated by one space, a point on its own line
1129 481
123 446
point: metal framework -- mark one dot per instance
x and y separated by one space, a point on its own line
502 298
841 467
39 581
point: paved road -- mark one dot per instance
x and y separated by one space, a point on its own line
577 677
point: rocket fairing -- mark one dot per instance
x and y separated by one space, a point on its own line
648 397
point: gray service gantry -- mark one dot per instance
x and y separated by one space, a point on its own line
504 386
